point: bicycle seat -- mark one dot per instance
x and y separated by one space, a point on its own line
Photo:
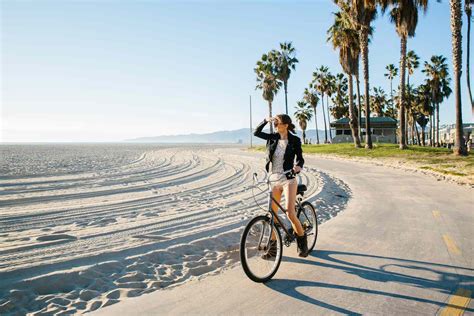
301 189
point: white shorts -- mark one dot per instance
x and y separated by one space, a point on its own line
283 182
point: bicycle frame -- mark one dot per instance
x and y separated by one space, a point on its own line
274 214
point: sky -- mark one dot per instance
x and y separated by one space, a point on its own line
110 70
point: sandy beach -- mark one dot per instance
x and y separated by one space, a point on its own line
87 226
402 245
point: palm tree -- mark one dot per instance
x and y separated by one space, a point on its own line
285 62
423 109
343 35
310 96
359 102
340 109
404 15
379 101
330 90
267 80
413 62
438 81
409 113
422 120
468 10
364 12
392 111
303 115
340 106
391 73
456 23
320 83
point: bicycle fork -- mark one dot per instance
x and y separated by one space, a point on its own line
265 245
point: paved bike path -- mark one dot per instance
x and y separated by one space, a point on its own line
403 245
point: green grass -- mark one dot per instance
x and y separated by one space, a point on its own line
441 160
454 173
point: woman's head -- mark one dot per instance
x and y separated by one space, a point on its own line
283 123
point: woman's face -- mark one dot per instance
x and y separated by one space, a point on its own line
280 128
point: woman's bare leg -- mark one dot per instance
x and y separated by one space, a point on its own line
290 195
276 192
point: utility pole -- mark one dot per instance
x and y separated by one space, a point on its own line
250 121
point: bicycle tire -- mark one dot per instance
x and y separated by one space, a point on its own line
314 223
243 255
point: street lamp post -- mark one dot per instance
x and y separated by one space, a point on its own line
250 121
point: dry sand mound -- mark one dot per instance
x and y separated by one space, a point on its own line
76 240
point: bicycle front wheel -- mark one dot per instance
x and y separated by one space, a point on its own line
260 249
309 221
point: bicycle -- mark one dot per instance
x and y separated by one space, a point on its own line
257 235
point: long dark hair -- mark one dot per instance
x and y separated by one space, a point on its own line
285 119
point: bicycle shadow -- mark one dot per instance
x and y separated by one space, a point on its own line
332 198
443 281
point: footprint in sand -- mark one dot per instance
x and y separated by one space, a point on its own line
110 302
114 294
133 285
56 237
87 295
61 231
134 277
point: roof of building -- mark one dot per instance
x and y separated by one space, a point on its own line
379 121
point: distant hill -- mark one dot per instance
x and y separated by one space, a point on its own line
231 137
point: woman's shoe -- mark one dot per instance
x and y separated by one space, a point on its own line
272 251
302 242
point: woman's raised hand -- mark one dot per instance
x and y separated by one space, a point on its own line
270 119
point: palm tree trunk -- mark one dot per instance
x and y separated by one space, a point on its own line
437 125
403 52
432 127
316 124
407 125
270 115
407 106
417 133
324 117
364 41
329 118
423 136
352 118
467 59
359 112
285 83
456 23
391 94
304 137
430 130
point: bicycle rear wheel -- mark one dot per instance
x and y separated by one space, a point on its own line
309 221
259 259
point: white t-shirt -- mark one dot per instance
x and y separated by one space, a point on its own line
278 156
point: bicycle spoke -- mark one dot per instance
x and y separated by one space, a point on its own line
260 255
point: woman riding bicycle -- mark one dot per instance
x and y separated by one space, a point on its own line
282 147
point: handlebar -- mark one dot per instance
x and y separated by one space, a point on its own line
268 175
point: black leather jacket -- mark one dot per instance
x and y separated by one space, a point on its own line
293 149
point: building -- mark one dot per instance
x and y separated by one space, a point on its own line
447 133
384 130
